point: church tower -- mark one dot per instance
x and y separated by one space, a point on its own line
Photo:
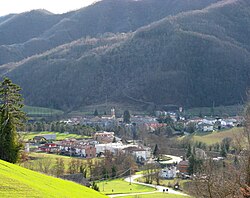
113 112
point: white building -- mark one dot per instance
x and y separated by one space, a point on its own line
112 147
168 173
138 153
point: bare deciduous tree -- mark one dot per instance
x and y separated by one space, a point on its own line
229 178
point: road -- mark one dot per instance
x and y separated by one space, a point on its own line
159 188
174 159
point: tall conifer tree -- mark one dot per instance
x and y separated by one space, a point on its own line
11 117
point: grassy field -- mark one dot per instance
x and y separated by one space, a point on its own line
119 186
156 195
106 107
20 182
51 156
216 136
59 136
41 111
38 158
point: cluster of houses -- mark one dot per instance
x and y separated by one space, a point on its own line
90 148
211 124
103 141
150 123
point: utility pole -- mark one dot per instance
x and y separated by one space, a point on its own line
103 186
130 176
70 148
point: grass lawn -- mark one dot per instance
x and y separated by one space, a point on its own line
217 136
20 182
140 172
156 195
119 186
59 136
54 156
36 156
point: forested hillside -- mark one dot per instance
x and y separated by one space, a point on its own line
194 58
37 31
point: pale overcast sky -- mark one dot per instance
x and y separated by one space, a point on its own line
55 6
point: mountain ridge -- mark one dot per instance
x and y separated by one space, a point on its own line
99 18
176 60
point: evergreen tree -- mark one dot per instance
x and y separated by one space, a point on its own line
226 143
83 170
223 151
95 186
169 121
57 127
156 151
113 170
189 151
96 112
39 126
195 164
11 118
53 127
62 128
191 166
126 116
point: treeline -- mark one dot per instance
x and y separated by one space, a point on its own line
58 166
60 127
112 166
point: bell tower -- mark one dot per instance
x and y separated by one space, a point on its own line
113 112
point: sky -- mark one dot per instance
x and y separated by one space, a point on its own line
55 6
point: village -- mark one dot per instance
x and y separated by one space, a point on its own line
103 141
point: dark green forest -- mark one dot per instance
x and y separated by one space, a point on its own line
199 57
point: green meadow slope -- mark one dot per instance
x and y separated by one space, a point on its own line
19 182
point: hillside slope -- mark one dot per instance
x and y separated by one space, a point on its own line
28 25
20 182
34 32
195 58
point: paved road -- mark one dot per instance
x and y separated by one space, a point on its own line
174 159
159 188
